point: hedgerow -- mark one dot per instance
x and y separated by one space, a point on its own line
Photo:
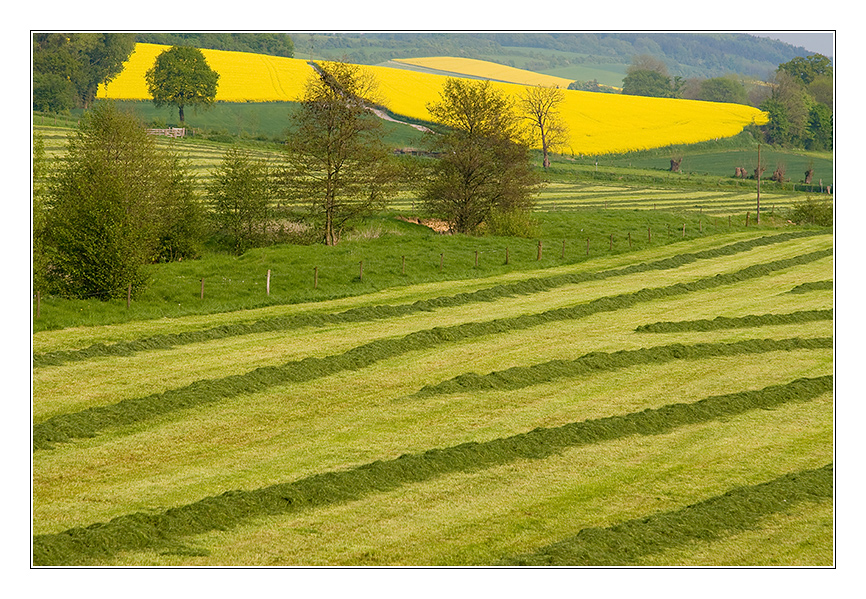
725 322
369 313
87 423
737 510
165 530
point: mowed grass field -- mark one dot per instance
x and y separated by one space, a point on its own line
529 417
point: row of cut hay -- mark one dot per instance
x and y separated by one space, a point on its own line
367 313
726 322
168 529
739 509
64 427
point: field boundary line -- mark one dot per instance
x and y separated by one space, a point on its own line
381 312
143 530
87 423
740 509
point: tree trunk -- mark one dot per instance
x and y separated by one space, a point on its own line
180 111
809 174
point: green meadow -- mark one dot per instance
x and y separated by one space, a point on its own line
645 379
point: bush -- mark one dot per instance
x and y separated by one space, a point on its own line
813 212
110 208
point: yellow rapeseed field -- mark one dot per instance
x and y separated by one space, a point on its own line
485 69
598 123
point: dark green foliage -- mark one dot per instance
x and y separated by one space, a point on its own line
68 67
642 82
813 211
723 89
807 68
181 77
724 322
163 530
111 209
535 285
739 509
820 128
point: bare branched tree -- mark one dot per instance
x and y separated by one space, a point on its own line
540 105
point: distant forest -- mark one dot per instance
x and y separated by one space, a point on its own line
273 44
685 54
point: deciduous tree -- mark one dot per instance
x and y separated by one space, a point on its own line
181 77
540 105
483 163
239 193
338 165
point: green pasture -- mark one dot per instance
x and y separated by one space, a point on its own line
352 464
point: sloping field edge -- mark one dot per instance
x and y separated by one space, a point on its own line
739 509
87 423
369 313
143 530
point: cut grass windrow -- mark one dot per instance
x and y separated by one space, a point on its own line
369 313
737 510
726 322
519 377
89 422
167 529
813 286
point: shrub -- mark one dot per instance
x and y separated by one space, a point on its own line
814 212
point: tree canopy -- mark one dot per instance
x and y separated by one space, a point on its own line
69 67
181 77
483 166
339 166
115 204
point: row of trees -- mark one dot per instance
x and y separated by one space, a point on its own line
116 202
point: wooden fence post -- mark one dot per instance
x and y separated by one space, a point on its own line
441 262
649 235
403 266
748 214
506 254
587 246
684 229
563 250
268 282
361 272
202 289
316 278
611 242
476 258
539 249
128 295
38 304
629 239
